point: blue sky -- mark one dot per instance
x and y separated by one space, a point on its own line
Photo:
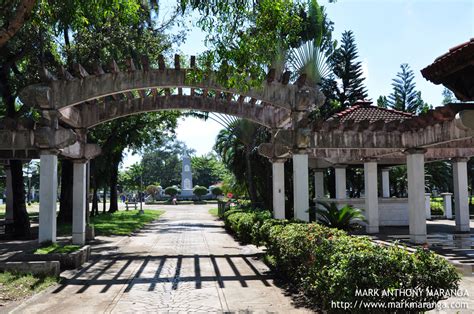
387 32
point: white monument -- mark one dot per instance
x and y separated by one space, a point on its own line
186 177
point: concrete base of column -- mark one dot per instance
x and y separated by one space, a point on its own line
48 198
278 179
79 204
301 186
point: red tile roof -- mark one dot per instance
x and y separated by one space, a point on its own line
459 55
363 110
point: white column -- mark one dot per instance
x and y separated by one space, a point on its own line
9 195
341 185
48 197
385 182
301 186
448 205
319 184
428 205
416 195
278 180
371 197
79 203
461 197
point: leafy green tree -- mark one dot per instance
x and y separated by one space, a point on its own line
200 191
348 71
448 96
382 102
237 147
405 97
207 170
163 162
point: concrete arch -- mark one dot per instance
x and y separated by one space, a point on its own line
88 115
59 94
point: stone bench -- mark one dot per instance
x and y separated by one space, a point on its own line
127 204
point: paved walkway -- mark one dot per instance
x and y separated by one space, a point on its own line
184 262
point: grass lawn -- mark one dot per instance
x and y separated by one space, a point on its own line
17 286
119 223
57 248
213 212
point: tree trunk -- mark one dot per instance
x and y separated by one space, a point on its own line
113 184
21 220
65 201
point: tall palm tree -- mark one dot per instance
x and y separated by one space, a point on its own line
235 144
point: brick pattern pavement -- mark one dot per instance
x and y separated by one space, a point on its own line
185 262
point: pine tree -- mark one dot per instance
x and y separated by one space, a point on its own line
348 71
405 97
448 96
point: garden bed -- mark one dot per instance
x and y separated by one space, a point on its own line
69 257
328 265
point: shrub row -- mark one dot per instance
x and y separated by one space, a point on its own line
329 265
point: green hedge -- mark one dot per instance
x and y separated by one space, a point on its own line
329 265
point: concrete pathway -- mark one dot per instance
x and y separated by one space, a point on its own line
184 262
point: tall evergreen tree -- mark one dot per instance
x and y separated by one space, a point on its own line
348 71
405 97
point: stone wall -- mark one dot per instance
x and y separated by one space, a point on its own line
392 211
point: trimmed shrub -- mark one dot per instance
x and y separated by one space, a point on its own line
172 191
199 191
327 264
216 191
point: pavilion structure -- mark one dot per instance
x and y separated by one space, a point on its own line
378 138
365 135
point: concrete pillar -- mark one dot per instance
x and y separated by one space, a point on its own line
301 186
371 197
319 184
428 205
48 197
461 197
385 182
79 203
341 185
278 180
9 195
416 195
448 205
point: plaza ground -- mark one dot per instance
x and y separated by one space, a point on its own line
183 262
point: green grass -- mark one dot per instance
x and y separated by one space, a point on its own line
213 212
57 248
119 223
18 286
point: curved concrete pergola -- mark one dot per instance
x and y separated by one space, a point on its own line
71 104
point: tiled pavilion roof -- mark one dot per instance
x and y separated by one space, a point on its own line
455 70
364 111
